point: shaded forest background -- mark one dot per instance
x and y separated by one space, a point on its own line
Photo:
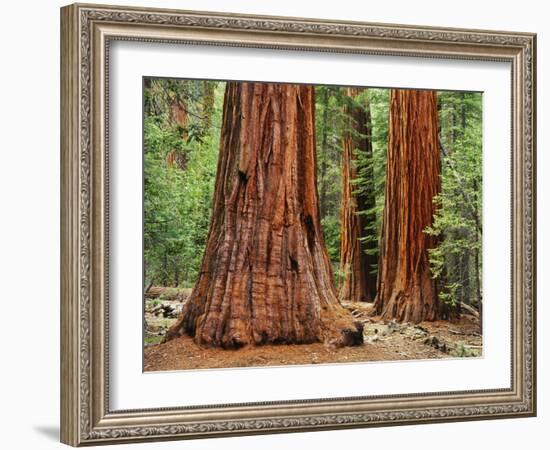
182 123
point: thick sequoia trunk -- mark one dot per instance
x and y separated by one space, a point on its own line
406 290
359 283
265 277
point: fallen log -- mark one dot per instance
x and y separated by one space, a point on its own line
167 293
469 309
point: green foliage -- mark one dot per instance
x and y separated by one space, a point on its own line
152 340
456 261
154 302
379 100
341 274
371 167
178 197
330 125
464 351
331 230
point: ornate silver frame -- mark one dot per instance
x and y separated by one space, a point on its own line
86 31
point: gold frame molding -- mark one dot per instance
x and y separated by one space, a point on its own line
86 31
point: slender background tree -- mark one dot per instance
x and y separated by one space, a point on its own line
356 263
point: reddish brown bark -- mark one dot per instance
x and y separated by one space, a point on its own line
406 290
359 283
266 277
178 116
176 158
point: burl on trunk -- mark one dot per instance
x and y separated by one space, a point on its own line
266 277
406 290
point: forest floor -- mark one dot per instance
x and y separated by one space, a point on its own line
382 342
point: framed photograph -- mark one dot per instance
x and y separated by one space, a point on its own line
276 224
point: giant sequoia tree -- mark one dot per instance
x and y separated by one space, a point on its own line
265 276
406 289
359 283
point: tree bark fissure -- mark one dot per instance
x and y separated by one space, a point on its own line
265 276
406 291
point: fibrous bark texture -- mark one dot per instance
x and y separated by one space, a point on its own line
406 290
359 283
266 277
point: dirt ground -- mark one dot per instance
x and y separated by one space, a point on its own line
382 342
